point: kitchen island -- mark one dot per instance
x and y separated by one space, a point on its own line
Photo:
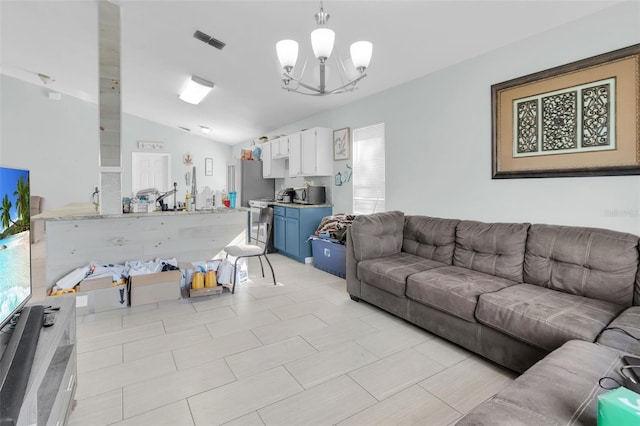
77 235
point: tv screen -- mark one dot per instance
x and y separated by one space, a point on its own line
15 248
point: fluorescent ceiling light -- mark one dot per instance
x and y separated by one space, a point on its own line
197 88
206 130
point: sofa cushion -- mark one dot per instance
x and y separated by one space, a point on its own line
453 289
623 333
561 389
543 317
377 235
430 237
390 273
493 248
596 263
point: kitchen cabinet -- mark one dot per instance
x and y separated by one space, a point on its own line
310 152
292 226
271 168
280 147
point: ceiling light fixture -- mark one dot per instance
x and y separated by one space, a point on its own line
195 91
206 130
322 42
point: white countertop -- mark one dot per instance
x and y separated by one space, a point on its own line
298 205
75 211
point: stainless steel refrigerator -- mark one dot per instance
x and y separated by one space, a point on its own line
245 178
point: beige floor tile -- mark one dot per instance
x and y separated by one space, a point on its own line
243 322
95 328
211 316
176 414
394 373
114 313
325 404
335 334
172 387
262 292
163 313
101 409
411 407
382 320
119 337
211 302
446 353
109 378
298 309
266 357
214 349
239 398
396 339
262 304
331 363
100 358
251 419
468 383
344 310
284 329
165 342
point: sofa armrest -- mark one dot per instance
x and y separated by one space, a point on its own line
353 283
377 235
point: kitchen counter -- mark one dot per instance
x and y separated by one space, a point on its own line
79 211
75 236
299 206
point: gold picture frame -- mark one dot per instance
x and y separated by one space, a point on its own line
341 144
579 119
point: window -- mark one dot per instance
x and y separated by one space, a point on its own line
368 169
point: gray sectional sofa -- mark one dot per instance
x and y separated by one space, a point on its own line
563 298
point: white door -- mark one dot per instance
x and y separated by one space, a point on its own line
150 170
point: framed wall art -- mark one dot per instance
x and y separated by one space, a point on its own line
341 144
579 119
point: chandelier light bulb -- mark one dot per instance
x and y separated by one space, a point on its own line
361 54
287 53
322 42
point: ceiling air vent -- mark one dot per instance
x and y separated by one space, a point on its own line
206 38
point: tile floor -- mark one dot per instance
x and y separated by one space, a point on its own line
300 353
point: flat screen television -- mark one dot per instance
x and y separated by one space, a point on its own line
15 247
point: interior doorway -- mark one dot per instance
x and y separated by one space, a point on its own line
150 170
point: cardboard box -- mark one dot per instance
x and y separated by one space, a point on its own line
207 291
104 299
98 283
152 288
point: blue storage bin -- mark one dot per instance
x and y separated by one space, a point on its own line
329 256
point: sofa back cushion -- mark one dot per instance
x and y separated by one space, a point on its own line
493 248
377 235
430 237
596 263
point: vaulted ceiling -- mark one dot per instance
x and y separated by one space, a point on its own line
159 53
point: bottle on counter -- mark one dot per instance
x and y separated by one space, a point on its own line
187 202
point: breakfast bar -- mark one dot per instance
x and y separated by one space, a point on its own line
77 236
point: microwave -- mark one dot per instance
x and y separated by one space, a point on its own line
310 195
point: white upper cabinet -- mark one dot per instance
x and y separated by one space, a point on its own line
271 167
310 152
280 147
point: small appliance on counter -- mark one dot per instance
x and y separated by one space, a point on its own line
286 195
310 195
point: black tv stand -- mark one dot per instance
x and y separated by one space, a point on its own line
19 357
43 395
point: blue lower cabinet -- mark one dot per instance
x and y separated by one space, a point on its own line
292 227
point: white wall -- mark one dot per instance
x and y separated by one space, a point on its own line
438 136
58 141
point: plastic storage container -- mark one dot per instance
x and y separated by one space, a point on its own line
329 256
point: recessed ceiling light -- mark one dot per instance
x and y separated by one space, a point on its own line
206 130
195 91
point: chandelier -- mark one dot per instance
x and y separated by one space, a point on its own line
322 39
